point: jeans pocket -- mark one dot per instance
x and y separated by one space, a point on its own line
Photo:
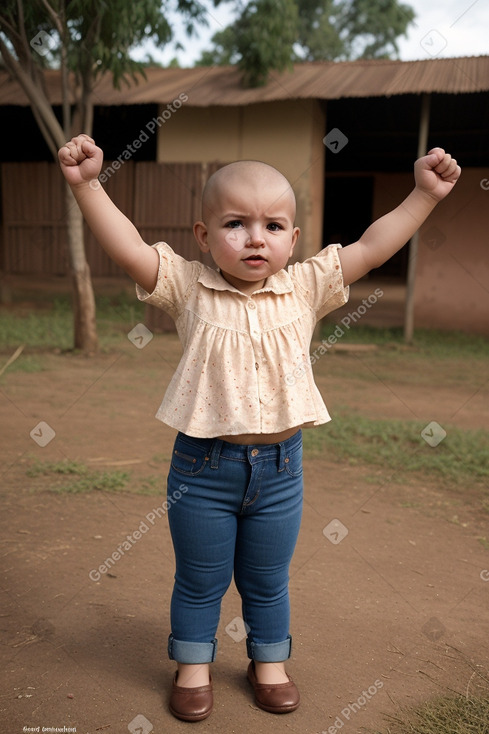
293 462
188 459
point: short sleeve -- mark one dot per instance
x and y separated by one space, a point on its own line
175 277
321 280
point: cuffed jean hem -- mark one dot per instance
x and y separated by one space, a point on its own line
191 653
274 652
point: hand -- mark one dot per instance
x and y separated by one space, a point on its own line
80 160
436 173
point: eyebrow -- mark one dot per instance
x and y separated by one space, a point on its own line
234 215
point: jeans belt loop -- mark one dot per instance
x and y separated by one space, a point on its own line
281 457
215 453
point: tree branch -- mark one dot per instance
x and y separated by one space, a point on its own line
36 97
45 132
54 16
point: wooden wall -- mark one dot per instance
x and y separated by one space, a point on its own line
162 199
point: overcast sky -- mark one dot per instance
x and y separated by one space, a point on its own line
443 28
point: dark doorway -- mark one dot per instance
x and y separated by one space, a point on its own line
347 208
348 204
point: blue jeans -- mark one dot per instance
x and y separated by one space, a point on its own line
233 508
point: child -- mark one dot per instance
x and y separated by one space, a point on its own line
244 328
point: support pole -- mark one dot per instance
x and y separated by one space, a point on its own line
424 125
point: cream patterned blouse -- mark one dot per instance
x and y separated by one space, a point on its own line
245 366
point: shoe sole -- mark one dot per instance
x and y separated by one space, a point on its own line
184 717
272 710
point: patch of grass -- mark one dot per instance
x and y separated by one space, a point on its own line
163 458
36 329
82 480
56 467
95 481
30 363
398 446
50 325
428 342
443 715
152 485
461 709
75 477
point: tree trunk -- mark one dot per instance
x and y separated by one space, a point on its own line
85 336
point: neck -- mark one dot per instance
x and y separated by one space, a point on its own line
245 286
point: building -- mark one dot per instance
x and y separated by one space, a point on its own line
345 134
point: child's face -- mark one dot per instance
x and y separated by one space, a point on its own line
249 228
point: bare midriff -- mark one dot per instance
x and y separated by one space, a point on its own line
251 438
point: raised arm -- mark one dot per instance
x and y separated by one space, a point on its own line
435 176
81 161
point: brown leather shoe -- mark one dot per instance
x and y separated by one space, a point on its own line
279 698
191 704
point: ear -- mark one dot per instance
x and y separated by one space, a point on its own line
295 236
200 234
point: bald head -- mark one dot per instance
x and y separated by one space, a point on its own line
242 175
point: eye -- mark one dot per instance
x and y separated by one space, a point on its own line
234 224
274 227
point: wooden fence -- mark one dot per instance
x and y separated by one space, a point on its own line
163 201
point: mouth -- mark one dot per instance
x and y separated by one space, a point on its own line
255 258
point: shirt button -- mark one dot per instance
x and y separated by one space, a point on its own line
256 365
255 452
251 304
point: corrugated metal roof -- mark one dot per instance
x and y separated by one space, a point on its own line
209 86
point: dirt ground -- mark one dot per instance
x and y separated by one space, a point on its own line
390 604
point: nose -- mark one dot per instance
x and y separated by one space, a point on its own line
256 236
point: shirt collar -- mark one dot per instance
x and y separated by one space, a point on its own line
280 282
